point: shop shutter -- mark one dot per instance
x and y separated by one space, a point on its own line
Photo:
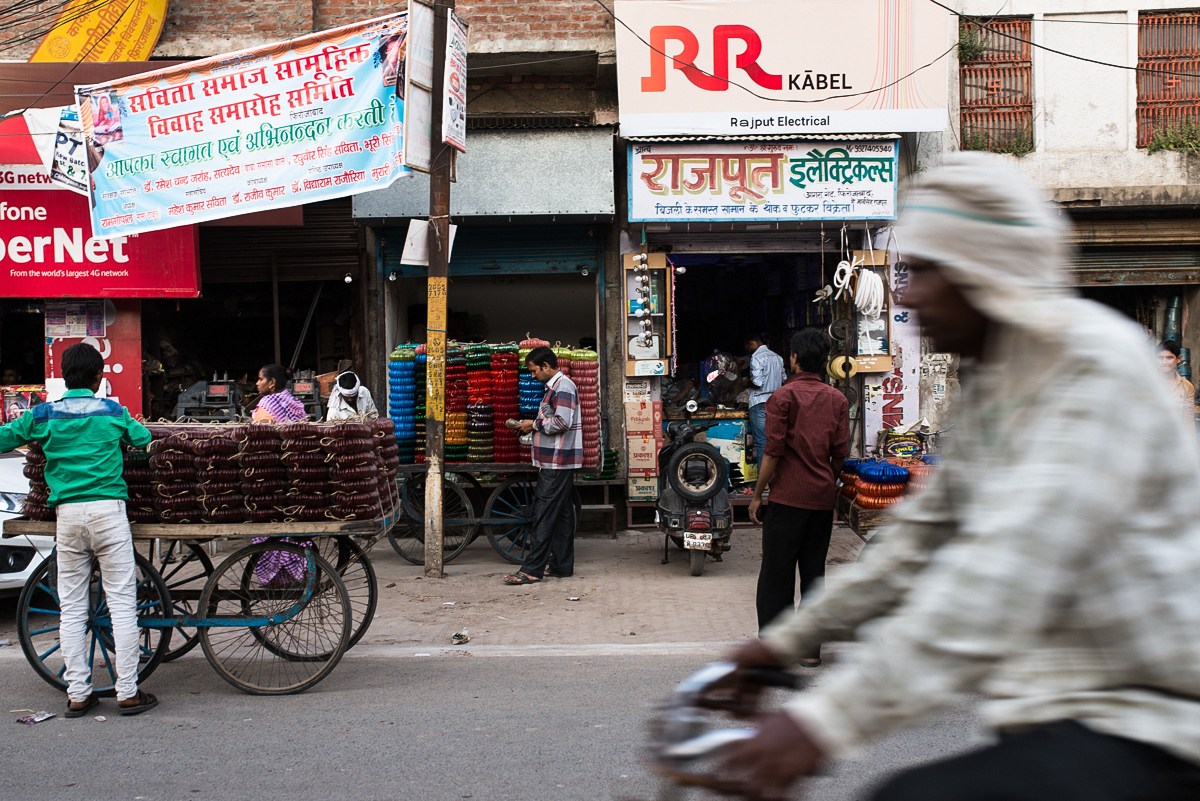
325 248
511 250
1142 267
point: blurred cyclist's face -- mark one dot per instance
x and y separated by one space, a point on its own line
1168 362
945 315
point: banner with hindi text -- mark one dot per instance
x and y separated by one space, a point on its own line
279 125
762 181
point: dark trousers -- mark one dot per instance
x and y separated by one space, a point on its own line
553 535
1063 761
791 537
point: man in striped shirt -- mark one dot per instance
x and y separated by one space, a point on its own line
557 453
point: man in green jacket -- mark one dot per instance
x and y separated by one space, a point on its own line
82 437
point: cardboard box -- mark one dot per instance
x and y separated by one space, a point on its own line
642 455
644 418
641 488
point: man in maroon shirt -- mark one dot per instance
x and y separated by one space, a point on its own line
808 425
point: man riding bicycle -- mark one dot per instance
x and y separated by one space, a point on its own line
1053 563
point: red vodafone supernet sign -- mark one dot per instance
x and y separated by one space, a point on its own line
47 249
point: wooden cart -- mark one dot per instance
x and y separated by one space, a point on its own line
273 618
503 493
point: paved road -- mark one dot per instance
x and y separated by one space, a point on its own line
495 723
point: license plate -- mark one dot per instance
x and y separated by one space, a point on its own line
697 540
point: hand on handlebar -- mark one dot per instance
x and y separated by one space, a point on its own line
773 759
740 692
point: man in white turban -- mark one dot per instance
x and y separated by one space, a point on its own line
1052 564
349 399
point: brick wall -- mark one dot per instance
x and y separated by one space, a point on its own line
196 28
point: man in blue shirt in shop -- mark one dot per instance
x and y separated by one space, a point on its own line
766 376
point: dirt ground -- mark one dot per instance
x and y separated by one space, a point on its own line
623 594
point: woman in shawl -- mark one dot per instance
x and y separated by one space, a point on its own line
276 404
349 399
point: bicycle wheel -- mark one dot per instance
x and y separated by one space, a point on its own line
358 575
408 536
38 626
184 568
297 650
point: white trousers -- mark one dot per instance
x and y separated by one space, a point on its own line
99 529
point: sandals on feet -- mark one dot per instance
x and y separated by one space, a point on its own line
517 579
88 704
145 701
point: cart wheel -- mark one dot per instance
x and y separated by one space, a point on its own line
512 503
358 575
38 627
408 535
275 658
185 568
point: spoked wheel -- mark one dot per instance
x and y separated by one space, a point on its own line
38 626
355 569
408 535
185 568
288 655
511 505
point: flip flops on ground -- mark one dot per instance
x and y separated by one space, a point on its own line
145 701
81 708
517 579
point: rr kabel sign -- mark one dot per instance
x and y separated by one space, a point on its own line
47 250
781 66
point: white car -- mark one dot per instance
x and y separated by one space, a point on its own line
19 556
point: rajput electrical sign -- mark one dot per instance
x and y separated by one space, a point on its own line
764 181
47 249
311 119
781 66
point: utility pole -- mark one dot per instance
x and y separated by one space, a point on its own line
435 326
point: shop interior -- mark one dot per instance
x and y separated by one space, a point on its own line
230 331
719 298
22 332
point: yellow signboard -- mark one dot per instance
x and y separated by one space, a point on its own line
117 30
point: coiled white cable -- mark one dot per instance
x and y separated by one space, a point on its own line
842 277
868 295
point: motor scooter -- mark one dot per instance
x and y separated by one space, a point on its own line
693 509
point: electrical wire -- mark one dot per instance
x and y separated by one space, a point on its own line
83 57
60 11
1032 43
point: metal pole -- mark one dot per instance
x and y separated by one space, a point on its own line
312 307
435 325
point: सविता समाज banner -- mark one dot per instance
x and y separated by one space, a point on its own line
295 122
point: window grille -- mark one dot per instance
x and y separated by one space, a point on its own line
1168 44
996 85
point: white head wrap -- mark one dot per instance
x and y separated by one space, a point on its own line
346 393
993 234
